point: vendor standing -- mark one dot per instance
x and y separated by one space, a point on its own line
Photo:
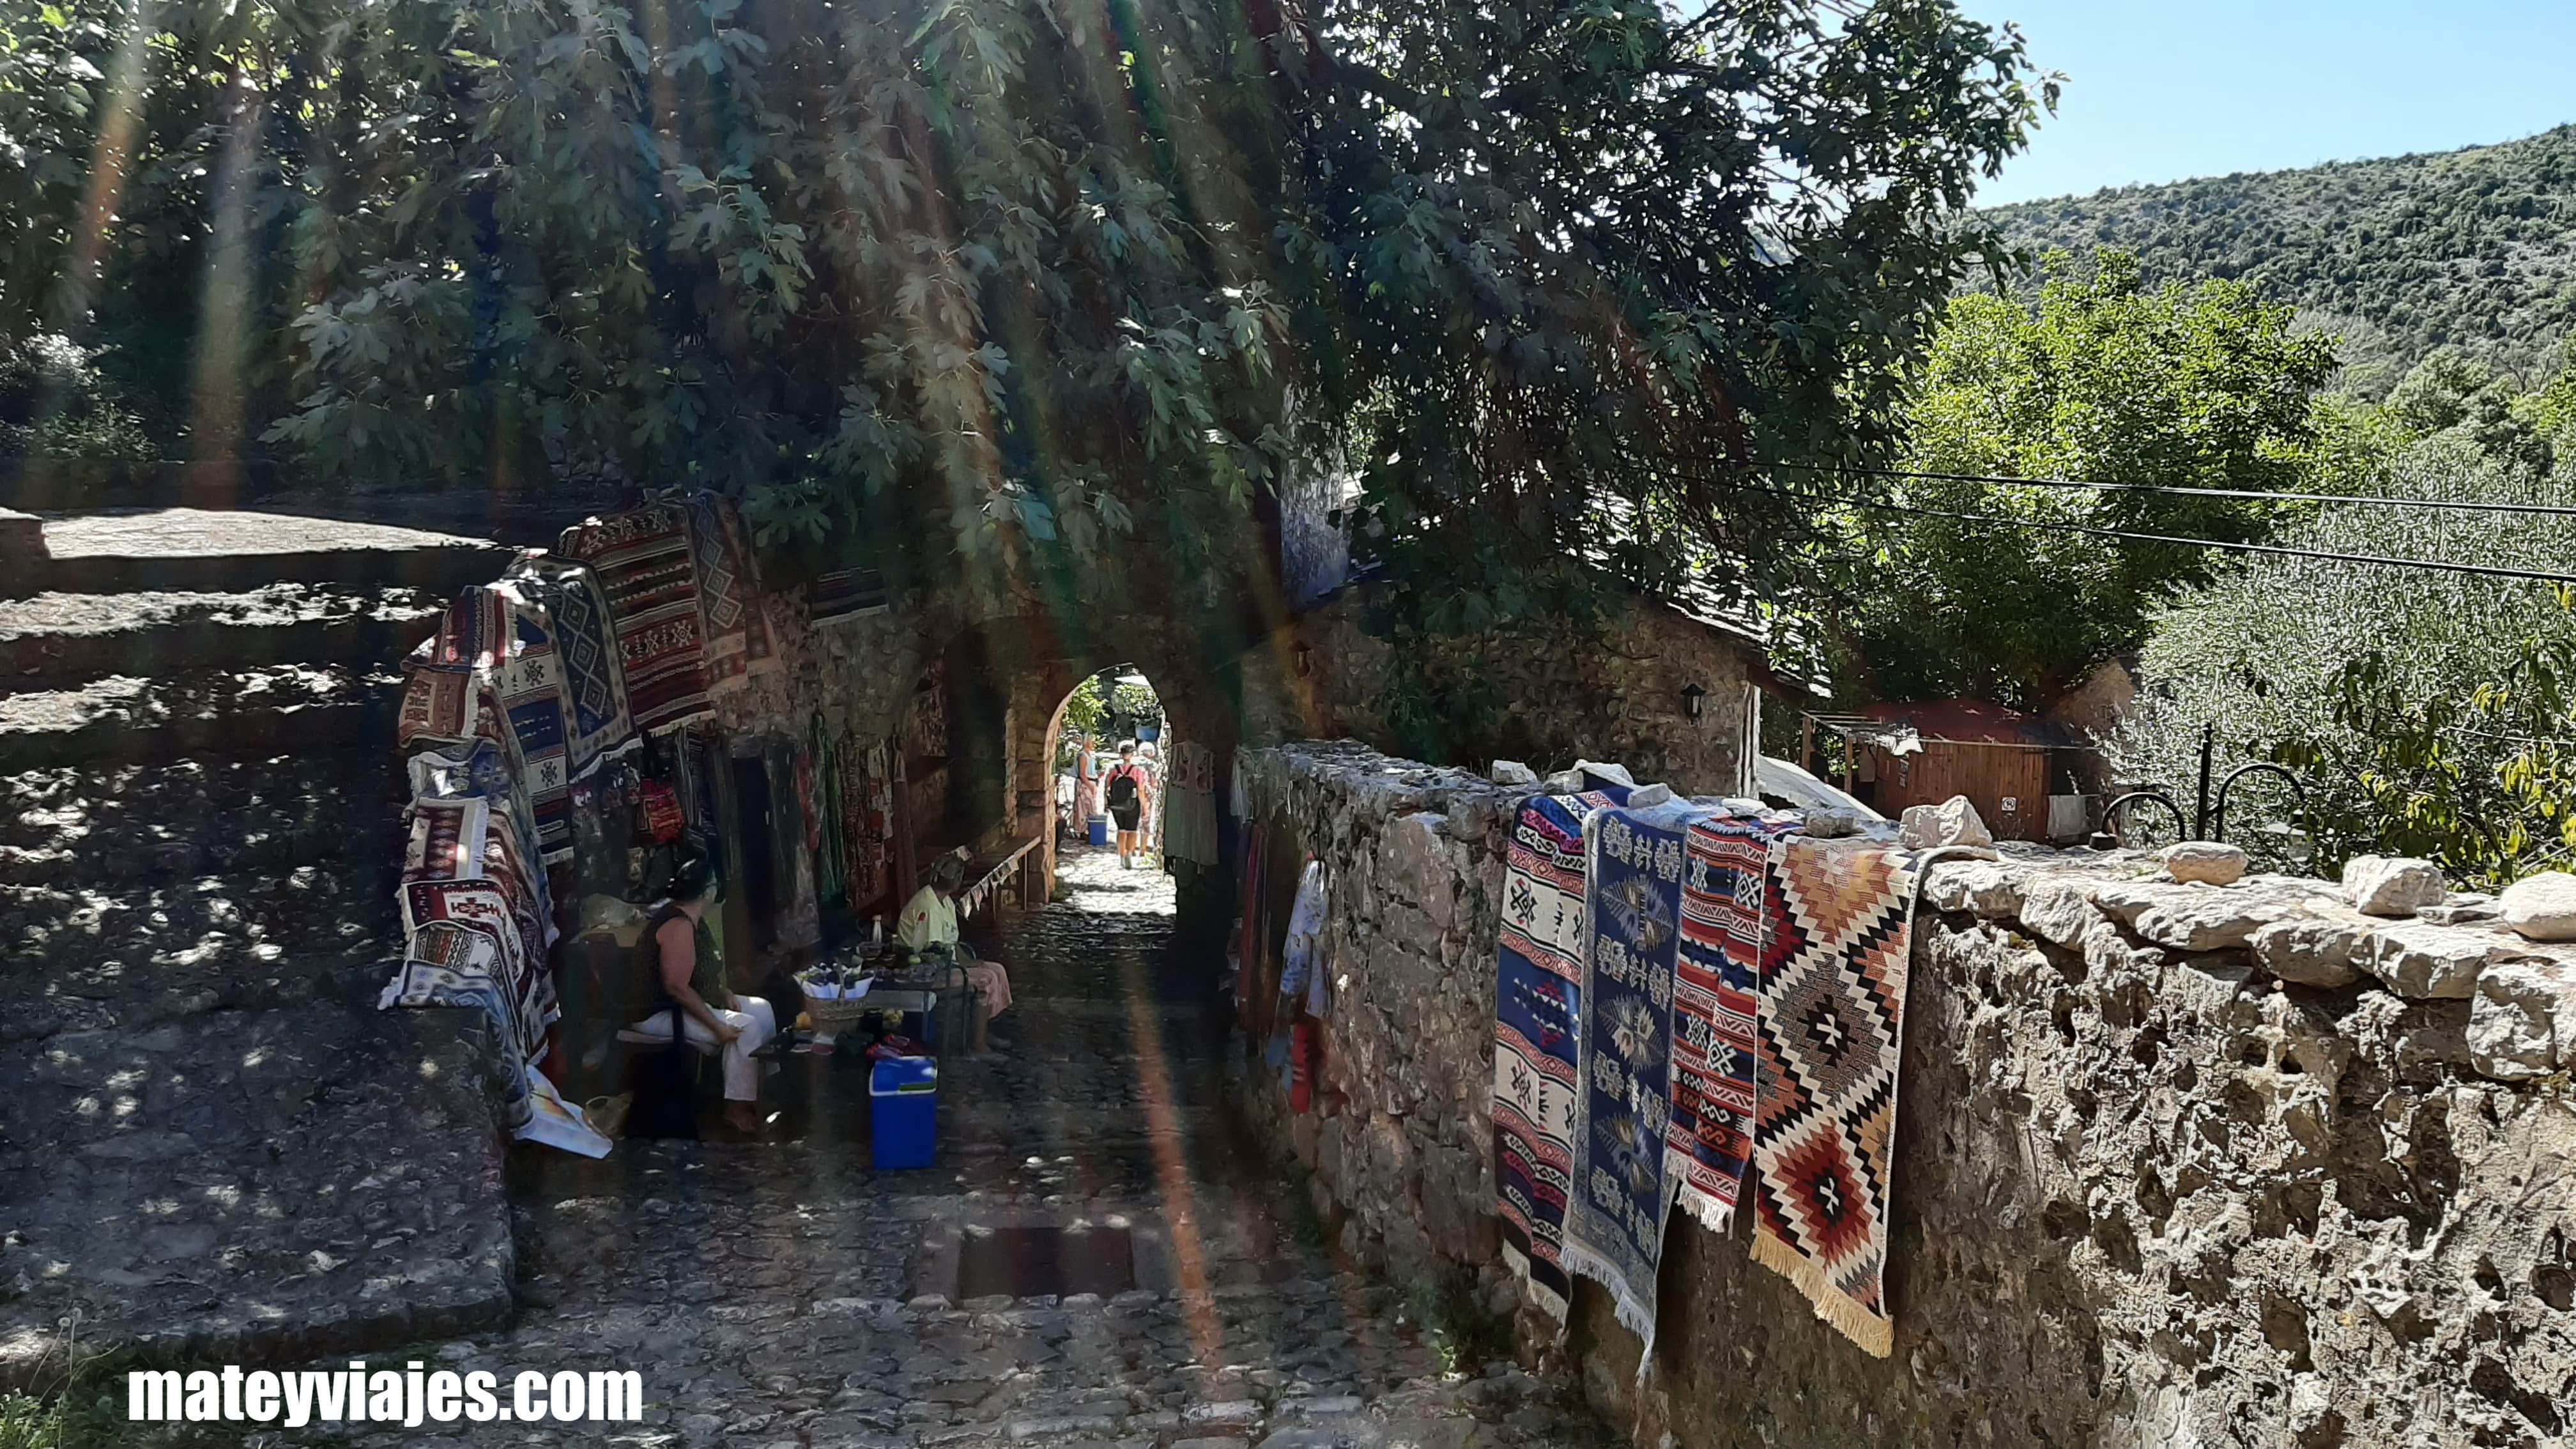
693 978
930 923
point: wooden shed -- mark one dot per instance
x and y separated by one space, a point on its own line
2007 763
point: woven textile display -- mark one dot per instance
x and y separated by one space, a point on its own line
446 841
1537 981
642 559
1614 1227
595 716
437 701
847 594
1728 914
530 682
725 606
1832 1029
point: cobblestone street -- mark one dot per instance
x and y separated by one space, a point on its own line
782 1294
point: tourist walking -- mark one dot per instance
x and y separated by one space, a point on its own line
1126 792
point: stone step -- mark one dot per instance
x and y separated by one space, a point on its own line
86 955
55 637
252 1187
216 551
206 711
155 819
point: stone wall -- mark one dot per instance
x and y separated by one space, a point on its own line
2175 1164
1548 694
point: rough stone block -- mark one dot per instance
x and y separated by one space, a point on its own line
2059 909
2394 886
2427 961
1952 822
1989 888
2518 1018
2206 986
2206 919
2542 907
2205 861
2314 950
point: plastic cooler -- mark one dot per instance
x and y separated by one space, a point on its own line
1100 830
903 1107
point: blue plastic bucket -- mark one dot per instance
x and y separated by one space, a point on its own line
1100 830
903 1107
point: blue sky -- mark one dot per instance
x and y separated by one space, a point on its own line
2158 90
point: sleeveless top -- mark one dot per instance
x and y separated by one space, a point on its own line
706 977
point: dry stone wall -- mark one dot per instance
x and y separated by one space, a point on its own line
2176 1164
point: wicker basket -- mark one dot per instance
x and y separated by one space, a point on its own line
838 1012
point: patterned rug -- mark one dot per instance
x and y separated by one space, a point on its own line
1832 1030
846 594
447 964
728 607
1727 922
530 683
642 559
1614 1228
446 840
437 700
596 718
1537 981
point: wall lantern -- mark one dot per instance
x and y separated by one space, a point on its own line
1692 694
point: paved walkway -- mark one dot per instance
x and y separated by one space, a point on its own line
783 1295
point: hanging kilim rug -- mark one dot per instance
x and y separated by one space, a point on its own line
1832 1026
596 719
1537 978
642 559
1614 1228
531 687
1727 915
724 595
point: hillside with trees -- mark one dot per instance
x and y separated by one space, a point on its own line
2400 256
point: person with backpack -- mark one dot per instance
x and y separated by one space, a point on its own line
1125 793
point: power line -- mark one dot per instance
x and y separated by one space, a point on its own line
2555 510
2280 550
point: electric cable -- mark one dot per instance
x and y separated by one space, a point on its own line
2279 550
2554 510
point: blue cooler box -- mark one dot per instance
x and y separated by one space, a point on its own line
1100 830
903 1105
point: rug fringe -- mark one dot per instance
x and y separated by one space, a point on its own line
1875 1335
1708 1212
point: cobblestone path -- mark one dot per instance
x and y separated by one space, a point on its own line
781 1294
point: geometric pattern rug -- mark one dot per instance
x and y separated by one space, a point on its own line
1537 983
1831 1027
1614 1227
642 560
1729 924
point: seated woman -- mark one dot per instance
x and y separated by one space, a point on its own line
930 922
716 1019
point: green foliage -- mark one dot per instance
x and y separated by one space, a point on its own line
1024 276
1134 702
55 402
2468 248
1462 1330
2427 779
2104 379
1086 713
2408 701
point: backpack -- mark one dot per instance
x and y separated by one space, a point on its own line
1122 789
